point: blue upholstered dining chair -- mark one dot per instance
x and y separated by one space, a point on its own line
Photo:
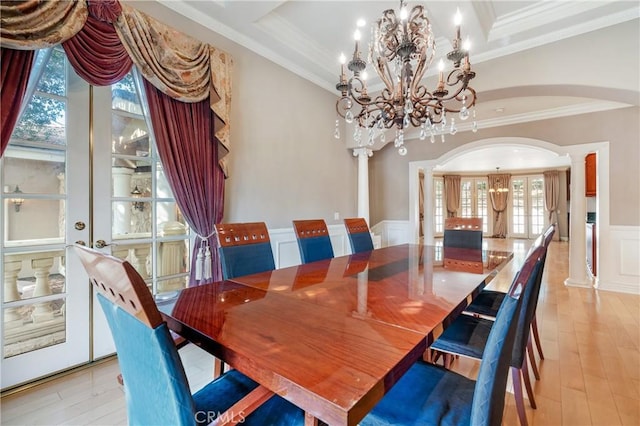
156 388
487 302
463 232
428 394
244 248
469 336
359 235
313 240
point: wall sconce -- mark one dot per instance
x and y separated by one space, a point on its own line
17 200
138 205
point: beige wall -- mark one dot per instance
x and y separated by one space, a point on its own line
285 163
389 172
283 168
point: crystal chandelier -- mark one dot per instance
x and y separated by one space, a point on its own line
498 186
401 51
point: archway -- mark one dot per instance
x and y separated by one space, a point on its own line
575 155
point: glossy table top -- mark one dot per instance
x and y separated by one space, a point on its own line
330 336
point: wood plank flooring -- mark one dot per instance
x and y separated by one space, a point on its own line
590 374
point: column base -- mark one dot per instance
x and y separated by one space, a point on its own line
570 282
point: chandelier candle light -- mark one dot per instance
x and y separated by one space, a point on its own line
401 51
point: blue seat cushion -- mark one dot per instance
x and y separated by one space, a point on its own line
486 303
219 395
426 395
465 336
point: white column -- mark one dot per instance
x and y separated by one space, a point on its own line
577 230
122 210
427 224
363 155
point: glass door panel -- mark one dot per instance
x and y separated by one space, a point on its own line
44 181
527 210
473 200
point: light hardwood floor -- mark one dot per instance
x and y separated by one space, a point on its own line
590 374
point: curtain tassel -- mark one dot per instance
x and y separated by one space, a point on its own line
206 273
199 264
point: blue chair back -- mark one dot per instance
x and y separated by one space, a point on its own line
530 301
489 393
359 235
156 387
313 240
245 249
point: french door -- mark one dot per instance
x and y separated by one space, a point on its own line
527 214
80 168
474 199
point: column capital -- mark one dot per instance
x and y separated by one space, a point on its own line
357 152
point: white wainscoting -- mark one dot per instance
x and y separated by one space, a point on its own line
392 232
619 259
285 245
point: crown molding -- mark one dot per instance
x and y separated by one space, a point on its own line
552 37
182 8
538 15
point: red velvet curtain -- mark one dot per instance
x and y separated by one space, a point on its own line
16 67
186 144
97 54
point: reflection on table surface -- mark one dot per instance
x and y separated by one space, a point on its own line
330 336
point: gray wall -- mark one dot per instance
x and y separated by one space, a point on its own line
389 172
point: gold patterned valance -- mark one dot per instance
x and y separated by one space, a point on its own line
180 66
36 24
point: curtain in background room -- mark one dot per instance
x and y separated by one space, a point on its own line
551 197
452 194
499 203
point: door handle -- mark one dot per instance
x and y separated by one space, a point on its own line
100 244
81 243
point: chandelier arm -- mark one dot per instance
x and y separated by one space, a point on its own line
382 66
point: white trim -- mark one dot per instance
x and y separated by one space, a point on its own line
284 244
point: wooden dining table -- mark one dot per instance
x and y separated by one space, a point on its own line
331 336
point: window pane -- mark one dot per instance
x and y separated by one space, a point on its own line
466 199
537 206
33 275
53 80
481 204
517 186
139 255
438 219
43 121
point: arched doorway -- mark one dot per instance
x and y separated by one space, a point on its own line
573 156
